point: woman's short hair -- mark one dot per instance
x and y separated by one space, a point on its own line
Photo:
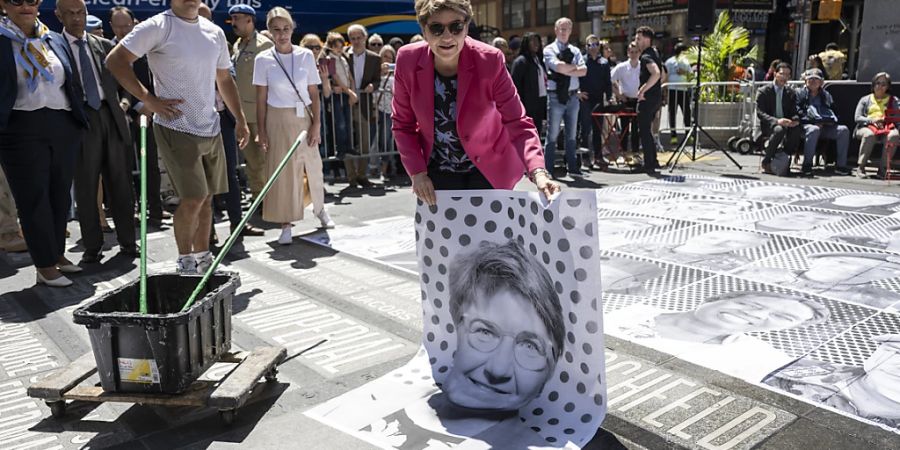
882 75
494 267
333 38
427 8
387 49
279 13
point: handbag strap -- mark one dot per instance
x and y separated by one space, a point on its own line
291 80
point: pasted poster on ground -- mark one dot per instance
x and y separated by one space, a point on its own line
512 350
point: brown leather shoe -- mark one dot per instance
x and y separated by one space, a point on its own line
767 168
250 230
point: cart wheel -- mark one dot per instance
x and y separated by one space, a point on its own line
744 146
227 416
57 408
732 143
272 375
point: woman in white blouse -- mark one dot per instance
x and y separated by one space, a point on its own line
287 97
42 121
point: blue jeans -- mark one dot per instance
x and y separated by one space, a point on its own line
382 140
233 196
558 113
813 133
340 109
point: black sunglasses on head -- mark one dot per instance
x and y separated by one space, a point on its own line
455 27
23 2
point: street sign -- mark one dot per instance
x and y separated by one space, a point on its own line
596 6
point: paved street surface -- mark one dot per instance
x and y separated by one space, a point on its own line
362 298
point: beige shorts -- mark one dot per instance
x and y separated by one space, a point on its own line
196 164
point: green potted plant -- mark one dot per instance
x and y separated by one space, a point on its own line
726 52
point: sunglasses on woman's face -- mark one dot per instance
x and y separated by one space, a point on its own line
455 27
314 48
23 2
595 45
377 44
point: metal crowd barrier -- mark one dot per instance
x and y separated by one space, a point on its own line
362 130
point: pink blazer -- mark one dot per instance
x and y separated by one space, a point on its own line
500 140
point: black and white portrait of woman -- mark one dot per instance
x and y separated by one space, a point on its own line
709 247
857 201
512 345
857 374
718 332
839 271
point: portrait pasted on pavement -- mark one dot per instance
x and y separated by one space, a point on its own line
797 288
513 336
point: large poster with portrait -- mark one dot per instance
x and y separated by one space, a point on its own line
512 347
795 288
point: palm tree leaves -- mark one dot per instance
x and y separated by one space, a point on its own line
723 49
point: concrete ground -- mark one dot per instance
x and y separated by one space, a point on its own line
277 278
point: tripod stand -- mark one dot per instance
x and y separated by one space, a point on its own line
696 129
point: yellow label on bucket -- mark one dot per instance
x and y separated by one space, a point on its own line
142 371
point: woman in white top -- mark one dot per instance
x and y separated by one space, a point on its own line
42 121
287 95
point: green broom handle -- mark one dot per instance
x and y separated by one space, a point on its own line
237 230
143 155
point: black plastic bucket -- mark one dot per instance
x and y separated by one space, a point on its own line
165 350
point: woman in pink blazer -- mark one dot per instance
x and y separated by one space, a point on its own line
457 119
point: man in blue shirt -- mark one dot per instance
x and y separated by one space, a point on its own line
563 105
596 89
819 121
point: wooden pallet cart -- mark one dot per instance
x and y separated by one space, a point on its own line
226 395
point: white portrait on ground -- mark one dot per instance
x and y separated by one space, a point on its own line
512 351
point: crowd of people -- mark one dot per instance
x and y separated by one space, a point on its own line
370 109
792 120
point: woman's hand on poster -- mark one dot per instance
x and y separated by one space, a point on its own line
262 140
423 188
313 135
545 185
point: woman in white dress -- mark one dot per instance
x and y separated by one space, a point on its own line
286 80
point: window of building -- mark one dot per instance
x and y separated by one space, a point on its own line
517 13
552 10
486 14
581 13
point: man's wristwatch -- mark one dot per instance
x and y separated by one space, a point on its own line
534 173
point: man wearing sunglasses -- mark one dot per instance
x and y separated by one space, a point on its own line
565 105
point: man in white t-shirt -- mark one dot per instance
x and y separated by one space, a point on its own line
626 79
189 58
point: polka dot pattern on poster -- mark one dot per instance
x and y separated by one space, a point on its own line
561 238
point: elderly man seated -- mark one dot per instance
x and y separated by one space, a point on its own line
819 121
779 120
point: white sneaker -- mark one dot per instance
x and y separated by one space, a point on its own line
286 238
204 262
325 219
186 265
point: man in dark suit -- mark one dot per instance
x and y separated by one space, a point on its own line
122 21
365 69
104 150
779 119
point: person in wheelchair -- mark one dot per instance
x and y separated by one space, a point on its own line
776 108
819 121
